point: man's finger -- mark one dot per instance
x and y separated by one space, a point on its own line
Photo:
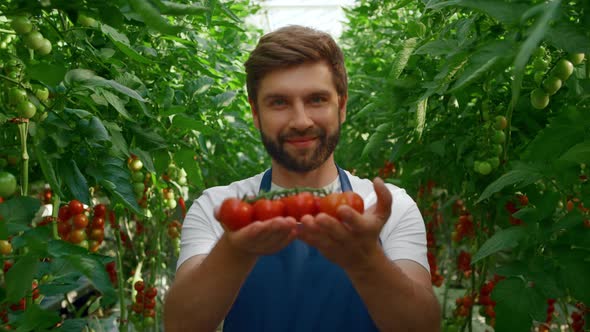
384 199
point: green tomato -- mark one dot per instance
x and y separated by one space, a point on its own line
494 161
138 188
26 109
576 58
498 149
21 25
551 85
484 168
7 184
42 94
500 123
34 40
539 98
16 95
563 69
540 64
499 137
45 47
137 176
86 21
135 165
171 203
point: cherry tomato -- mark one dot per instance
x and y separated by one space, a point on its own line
97 234
63 228
77 236
298 205
64 213
139 286
265 209
97 222
76 207
149 303
80 221
355 201
151 292
100 210
5 247
330 203
235 214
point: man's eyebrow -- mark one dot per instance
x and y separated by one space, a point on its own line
274 96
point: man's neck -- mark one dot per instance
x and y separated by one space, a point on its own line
318 178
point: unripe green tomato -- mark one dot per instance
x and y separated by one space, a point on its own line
135 165
26 109
21 25
84 244
16 95
45 47
172 171
86 21
563 69
539 98
485 168
42 94
138 188
499 137
34 40
576 58
540 65
551 85
494 161
137 176
182 181
476 165
500 123
540 52
498 149
171 203
7 184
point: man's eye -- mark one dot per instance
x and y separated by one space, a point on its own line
317 99
278 102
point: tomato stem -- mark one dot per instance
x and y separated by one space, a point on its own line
54 215
120 281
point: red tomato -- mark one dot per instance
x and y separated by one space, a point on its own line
100 210
235 214
151 292
265 209
329 204
76 207
64 213
139 285
97 235
298 205
80 221
97 222
150 303
77 236
354 200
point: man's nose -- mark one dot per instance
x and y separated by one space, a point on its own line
300 118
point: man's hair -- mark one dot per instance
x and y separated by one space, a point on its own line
291 46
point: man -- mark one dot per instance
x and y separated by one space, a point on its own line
366 273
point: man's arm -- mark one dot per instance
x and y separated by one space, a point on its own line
206 286
398 295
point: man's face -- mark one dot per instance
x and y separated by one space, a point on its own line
299 115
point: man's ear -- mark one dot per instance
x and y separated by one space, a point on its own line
342 107
254 113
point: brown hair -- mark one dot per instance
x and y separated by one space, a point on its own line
291 46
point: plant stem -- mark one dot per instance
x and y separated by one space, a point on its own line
23 129
54 214
120 281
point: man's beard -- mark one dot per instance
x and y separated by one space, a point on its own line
300 164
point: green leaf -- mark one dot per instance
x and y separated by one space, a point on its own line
50 74
183 121
145 158
37 319
75 180
113 175
96 81
401 59
570 220
119 147
95 131
569 38
173 8
20 277
47 168
421 108
438 47
122 43
575 269
516 304
377 138
147 138
224 99
152 17
579 153
19 211
117 104
75 324
501 240
94 270
522 176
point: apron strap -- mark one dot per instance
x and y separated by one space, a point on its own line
266 182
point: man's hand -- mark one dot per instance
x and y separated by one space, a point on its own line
262 237
352 243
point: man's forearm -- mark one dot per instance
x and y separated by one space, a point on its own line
202 298
394 301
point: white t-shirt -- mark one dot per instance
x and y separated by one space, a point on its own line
402 237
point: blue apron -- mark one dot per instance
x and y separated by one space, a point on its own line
298 290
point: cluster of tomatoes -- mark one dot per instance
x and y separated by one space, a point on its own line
236 213
497 139
512 208
464 263
485 299
435 277
464 305
138 179
33 39
578 321
387 170
464 227
111 268
75 227
145 303
554 80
